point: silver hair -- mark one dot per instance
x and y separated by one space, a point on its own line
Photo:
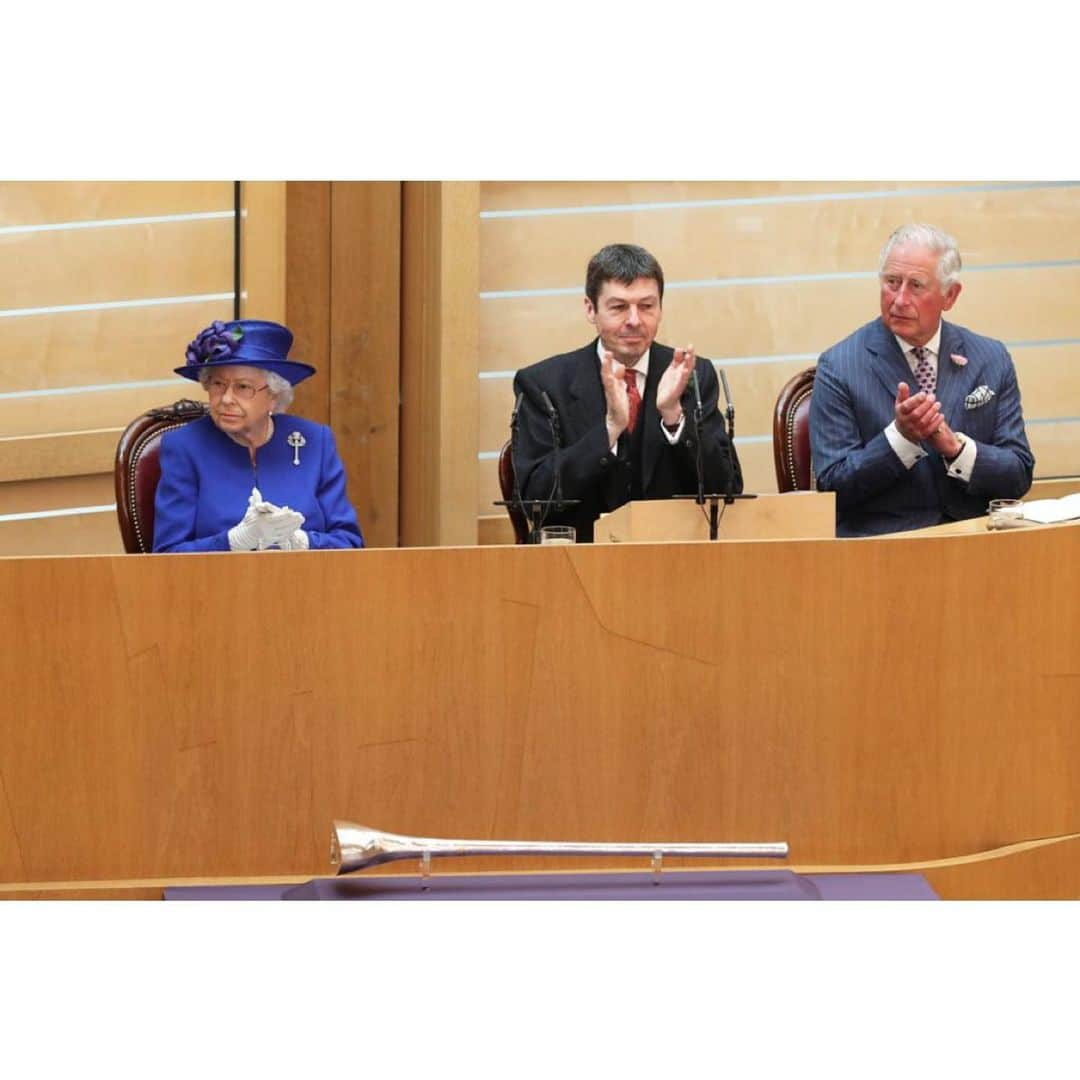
932 239
280 388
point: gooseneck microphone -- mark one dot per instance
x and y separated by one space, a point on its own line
699 461
556 439
513 451
729 493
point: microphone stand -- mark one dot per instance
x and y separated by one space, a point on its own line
699 460
537 510
556 438
729 495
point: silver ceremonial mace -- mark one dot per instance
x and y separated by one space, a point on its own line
356 847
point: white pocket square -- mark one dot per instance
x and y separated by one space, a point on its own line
978 397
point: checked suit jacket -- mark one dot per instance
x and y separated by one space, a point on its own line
853 402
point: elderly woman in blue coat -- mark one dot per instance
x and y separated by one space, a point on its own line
248 477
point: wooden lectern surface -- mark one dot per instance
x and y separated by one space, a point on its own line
796 515
870 701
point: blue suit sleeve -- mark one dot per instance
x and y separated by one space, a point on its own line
176 504
842 463
1005 465
342 528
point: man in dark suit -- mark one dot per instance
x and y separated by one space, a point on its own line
913 420
624 405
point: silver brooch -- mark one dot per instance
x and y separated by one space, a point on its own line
296 440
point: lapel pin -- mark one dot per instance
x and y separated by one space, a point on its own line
296 440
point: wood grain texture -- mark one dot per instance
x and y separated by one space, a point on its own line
64 453
84 348
439 363
307 289
264 249
1046 869
36 202
89 266
764 240
462 692
365 370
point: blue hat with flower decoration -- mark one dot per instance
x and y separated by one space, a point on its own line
250 342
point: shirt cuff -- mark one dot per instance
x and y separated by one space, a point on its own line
673 436
908 452
964 464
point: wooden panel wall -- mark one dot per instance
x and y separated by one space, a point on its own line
480 702
439 364
343 288
763 276
103 286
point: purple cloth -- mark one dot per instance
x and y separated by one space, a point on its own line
673 885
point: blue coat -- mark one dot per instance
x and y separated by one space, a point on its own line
852 404
206 481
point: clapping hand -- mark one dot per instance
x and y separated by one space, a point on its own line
673 382
917 416
265 525
613 377
276 524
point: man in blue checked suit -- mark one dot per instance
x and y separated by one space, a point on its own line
913 420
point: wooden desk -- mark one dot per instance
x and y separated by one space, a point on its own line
203 716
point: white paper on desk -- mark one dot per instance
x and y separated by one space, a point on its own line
1048 511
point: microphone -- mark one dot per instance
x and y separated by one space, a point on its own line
729 494
698 408
556 438
699 462
727 396
516 493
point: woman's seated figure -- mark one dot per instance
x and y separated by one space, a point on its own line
248 477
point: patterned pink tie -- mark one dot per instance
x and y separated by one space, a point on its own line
633 397
924 371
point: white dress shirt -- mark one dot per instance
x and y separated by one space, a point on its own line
912 452
641 373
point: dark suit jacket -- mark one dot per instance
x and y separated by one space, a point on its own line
853 403
604 481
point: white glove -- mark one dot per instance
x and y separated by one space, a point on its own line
277 525
297 542
244 536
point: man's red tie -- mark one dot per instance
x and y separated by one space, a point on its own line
633 397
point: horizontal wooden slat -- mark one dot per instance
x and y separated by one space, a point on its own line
1056 448
34 457
1049 380
97 409
89 266
79 534
795 317
89 347
29 496
514 195
43 203
494 529
778 239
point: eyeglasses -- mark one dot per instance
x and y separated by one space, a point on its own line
241 388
